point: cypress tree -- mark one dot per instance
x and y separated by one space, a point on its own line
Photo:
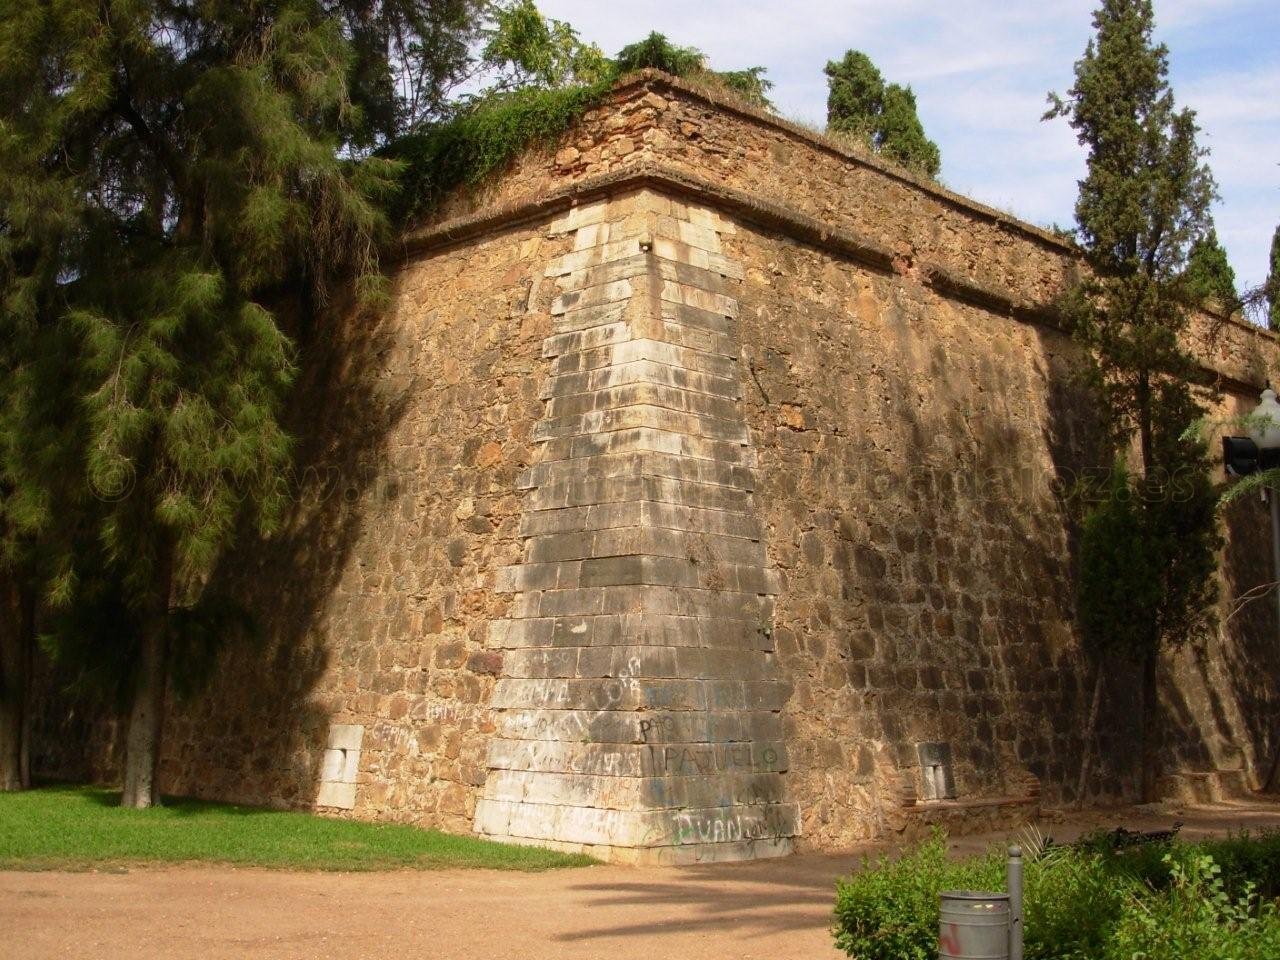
1143 203
1273 284
902 136
172 171
1209 280
884 116
855 95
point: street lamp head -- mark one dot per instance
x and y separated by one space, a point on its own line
1264 422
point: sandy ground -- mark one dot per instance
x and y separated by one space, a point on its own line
777 910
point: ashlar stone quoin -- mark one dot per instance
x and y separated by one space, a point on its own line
640 709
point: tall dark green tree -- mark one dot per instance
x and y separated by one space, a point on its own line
884 116
173 172
1143 203
1273 284
1208 278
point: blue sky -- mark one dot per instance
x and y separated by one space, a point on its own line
981 70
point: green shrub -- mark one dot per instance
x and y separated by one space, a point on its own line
562 80
1244 859
483 139
1070 904
890 910
1248 858
1095 900
1194 918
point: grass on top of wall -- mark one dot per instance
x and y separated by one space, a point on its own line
74 828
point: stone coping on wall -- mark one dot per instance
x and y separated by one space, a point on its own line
656 79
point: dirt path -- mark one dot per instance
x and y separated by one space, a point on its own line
771 910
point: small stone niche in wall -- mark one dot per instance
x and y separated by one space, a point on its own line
339 767
936 771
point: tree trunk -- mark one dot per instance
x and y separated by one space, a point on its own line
1146 438
17 648
1150 726
146 715
1090 734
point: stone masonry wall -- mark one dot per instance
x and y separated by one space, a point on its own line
701 472
907 462
654 122
375 602
639 712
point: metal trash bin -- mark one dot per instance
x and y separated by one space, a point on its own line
974 926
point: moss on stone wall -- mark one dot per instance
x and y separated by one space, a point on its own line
494 129
483 140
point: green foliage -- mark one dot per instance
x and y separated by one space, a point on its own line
1148 553
890 909
1194 918
531 50
61 828
174 173
658 53
1118 586
1208 278
1146 196
1248 858
1143 203
484 139
884 116
406 58
1084 902
750 85
541 92
1245 858
1272 288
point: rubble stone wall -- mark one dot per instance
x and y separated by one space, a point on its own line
374 603
702 471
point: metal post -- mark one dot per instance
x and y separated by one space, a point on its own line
1014 879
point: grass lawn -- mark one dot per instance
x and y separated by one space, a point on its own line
78 827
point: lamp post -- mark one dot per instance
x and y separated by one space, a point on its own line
1259 451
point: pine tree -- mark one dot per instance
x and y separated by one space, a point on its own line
884 116
1209 280
1142 204
172 171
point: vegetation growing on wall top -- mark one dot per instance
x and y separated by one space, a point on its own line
882 116
547 79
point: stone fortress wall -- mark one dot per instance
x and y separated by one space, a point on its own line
701 497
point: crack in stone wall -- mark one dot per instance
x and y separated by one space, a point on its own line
639 715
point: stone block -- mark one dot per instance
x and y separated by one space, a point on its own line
595 296
581 259
579 341
335 794
345 736
589 318
716 304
